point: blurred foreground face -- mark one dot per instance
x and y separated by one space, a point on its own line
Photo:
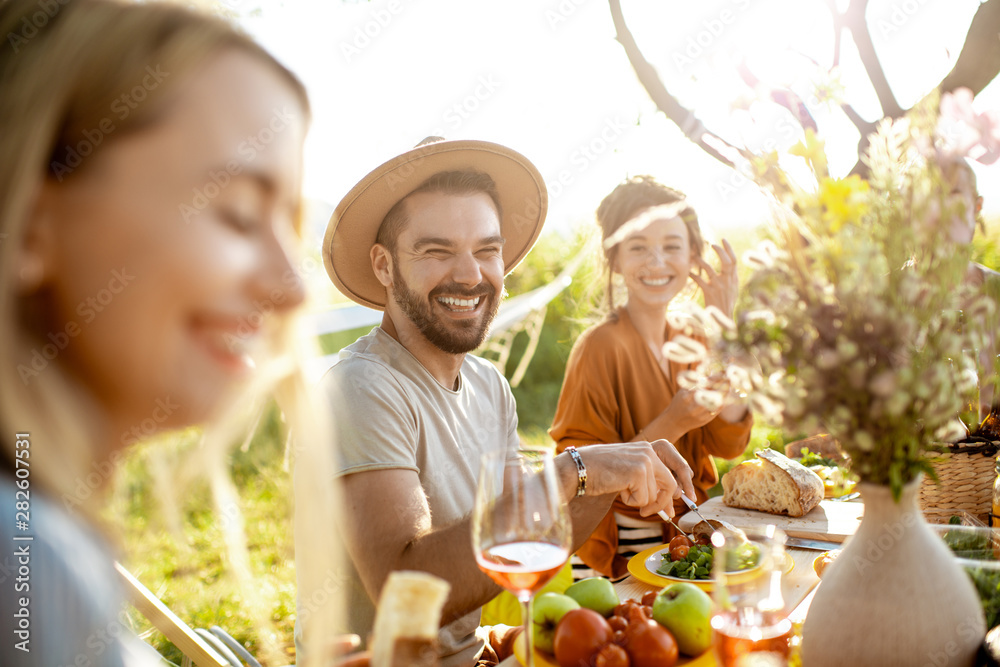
169 252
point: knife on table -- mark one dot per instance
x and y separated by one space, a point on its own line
815 545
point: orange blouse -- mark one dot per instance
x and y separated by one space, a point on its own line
614 387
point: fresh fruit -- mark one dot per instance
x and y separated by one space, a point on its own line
579 636
595 593
612 655
649 644
679 552
622 609
823 561
686 611
547 610
678 540
648 599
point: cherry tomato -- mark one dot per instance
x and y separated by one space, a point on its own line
622 609
649 598
703 540
612 655
638 614
679 540
679 552
579 636
617 623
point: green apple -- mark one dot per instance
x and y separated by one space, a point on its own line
595 593
546 612
686 611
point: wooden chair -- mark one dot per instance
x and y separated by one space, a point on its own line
204 648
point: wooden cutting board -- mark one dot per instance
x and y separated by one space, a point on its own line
830 520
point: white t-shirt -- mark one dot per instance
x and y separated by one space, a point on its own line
388 413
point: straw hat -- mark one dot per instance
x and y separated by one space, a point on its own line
356 220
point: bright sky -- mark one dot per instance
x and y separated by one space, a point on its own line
547 78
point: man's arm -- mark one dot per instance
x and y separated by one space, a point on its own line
388 522
388 527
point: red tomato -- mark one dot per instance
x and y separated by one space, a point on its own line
649 598
679 540
649 644
617 623
579 636
612 655
703 540
679 552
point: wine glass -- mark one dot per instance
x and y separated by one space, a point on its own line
750 610
521 532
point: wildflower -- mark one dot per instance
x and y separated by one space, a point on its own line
843 200
964 132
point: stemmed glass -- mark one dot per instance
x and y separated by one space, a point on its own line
521 532
749 606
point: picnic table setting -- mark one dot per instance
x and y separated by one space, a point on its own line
854 323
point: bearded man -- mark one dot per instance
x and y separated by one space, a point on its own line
428 237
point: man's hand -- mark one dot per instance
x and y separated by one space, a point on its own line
637 472
678 466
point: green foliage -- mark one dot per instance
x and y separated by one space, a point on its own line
190 570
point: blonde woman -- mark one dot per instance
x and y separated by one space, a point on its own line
619 386
149 203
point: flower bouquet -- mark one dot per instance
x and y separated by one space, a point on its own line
855 320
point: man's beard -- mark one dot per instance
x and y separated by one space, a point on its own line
456 337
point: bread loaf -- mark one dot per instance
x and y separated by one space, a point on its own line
408 618
772 483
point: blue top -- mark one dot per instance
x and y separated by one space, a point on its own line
60 601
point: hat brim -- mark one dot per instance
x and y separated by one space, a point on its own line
354 224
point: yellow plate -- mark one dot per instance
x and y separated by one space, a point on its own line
706 659
643 566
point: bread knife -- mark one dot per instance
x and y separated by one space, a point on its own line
815 545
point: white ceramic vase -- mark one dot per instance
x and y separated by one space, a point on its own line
894 596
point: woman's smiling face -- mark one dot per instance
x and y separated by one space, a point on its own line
655 261
168 254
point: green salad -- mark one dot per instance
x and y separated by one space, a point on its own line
697 563
975 547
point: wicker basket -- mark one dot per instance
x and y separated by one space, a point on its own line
966 472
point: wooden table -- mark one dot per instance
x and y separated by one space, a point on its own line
797 587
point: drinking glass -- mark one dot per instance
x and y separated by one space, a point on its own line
749 615
521 532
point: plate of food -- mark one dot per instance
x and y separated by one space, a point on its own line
692 561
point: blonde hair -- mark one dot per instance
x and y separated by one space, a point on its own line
62 68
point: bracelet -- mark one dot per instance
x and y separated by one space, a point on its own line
581 471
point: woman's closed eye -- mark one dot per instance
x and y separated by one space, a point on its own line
241 222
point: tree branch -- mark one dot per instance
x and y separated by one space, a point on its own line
858 25
684 118
979 61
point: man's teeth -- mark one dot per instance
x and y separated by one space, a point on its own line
657 282
459 303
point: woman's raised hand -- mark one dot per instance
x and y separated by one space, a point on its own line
719 287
